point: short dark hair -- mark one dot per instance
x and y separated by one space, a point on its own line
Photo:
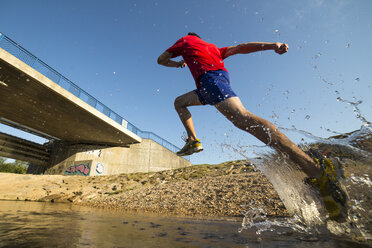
194 34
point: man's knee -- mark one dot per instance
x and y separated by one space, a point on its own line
240 116
179 103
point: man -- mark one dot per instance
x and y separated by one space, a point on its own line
205 62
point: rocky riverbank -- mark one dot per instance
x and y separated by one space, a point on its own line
201 190
226 189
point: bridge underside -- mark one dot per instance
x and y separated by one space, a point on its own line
21 149
32 100
84 140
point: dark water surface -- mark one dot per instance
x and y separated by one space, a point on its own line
34 224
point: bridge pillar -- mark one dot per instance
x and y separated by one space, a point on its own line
91 160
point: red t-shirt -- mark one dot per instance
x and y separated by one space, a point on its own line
200 56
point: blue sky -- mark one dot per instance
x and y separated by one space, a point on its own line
110 48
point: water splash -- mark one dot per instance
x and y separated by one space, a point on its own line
256 217
357 224
356 110
302 201
360 180
288 180
346 140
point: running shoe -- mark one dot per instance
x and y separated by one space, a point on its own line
332 192
190 147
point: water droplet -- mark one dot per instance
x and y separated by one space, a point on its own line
114 72
186 12
157 90
357 79
307 117
347 45
317 55
276 31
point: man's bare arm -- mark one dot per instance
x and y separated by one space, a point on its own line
165 60
252 47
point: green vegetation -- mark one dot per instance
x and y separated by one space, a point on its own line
18 167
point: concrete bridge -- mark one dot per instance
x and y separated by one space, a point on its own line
85 136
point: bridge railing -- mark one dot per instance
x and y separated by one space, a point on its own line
16 50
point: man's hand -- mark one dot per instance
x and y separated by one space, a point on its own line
280 48
252 47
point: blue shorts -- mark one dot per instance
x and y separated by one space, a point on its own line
214 87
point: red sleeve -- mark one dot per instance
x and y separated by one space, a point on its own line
223 52
176 49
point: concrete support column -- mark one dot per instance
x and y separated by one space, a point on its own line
91 160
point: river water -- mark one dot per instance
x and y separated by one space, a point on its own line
36 224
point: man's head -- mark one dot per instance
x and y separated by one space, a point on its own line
194 34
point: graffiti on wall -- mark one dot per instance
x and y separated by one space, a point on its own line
100 168
82 169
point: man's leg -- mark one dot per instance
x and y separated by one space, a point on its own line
181 103
233 109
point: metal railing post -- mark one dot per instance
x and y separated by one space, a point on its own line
59 79
33 64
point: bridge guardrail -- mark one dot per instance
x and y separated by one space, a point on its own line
18 51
